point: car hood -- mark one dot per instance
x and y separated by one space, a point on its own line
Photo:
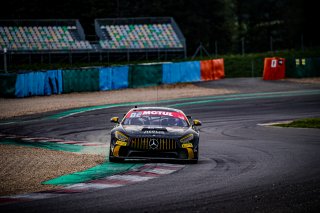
154 130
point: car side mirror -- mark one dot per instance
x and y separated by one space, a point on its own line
196 123
114 120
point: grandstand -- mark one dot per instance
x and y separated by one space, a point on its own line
42 35
63 41
139 34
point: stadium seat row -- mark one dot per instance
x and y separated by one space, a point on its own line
140 36
41 38
120 36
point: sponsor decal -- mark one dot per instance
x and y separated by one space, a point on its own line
153 132
138 114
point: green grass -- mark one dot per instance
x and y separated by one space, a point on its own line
303 123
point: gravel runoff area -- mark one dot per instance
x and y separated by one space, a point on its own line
23 169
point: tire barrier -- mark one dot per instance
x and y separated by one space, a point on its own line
53 82
108 78
212 69
304 67
30 84
8 85
145 75
181 72
80 80
274 68
113 78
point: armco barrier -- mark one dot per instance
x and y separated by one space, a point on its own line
145 75
80 80
8 85
113 78
53 82
274 68
181 72
212 69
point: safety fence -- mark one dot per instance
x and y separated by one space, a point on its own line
39 83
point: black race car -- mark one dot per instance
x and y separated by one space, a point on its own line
154 133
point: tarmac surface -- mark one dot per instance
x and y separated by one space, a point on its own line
243 167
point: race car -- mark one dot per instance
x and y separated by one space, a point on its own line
155 133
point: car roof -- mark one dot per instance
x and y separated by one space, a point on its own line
156 109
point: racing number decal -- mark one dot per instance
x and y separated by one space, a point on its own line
138 114
135 115
274 63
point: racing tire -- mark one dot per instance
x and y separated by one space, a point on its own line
115 159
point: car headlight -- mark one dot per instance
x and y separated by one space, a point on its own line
187 138
120 136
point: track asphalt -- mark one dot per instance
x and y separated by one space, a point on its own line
243 167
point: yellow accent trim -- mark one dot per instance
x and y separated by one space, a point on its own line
121 143
115 119
196 123
190 153
187 145
116 151
189 137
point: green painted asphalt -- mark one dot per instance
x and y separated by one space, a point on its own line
100 171
56 146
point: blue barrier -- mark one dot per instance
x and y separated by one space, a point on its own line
105 78
30 84
53 82
113 78
120 77
181 72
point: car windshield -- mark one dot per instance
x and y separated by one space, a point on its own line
155 118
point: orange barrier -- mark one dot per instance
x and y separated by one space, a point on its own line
274 68
212 69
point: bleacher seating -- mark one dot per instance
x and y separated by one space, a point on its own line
41 38
116 35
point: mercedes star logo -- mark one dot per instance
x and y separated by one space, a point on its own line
153 144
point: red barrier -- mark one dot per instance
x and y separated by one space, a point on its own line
274 68
212 69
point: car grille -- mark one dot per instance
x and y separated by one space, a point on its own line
144 144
